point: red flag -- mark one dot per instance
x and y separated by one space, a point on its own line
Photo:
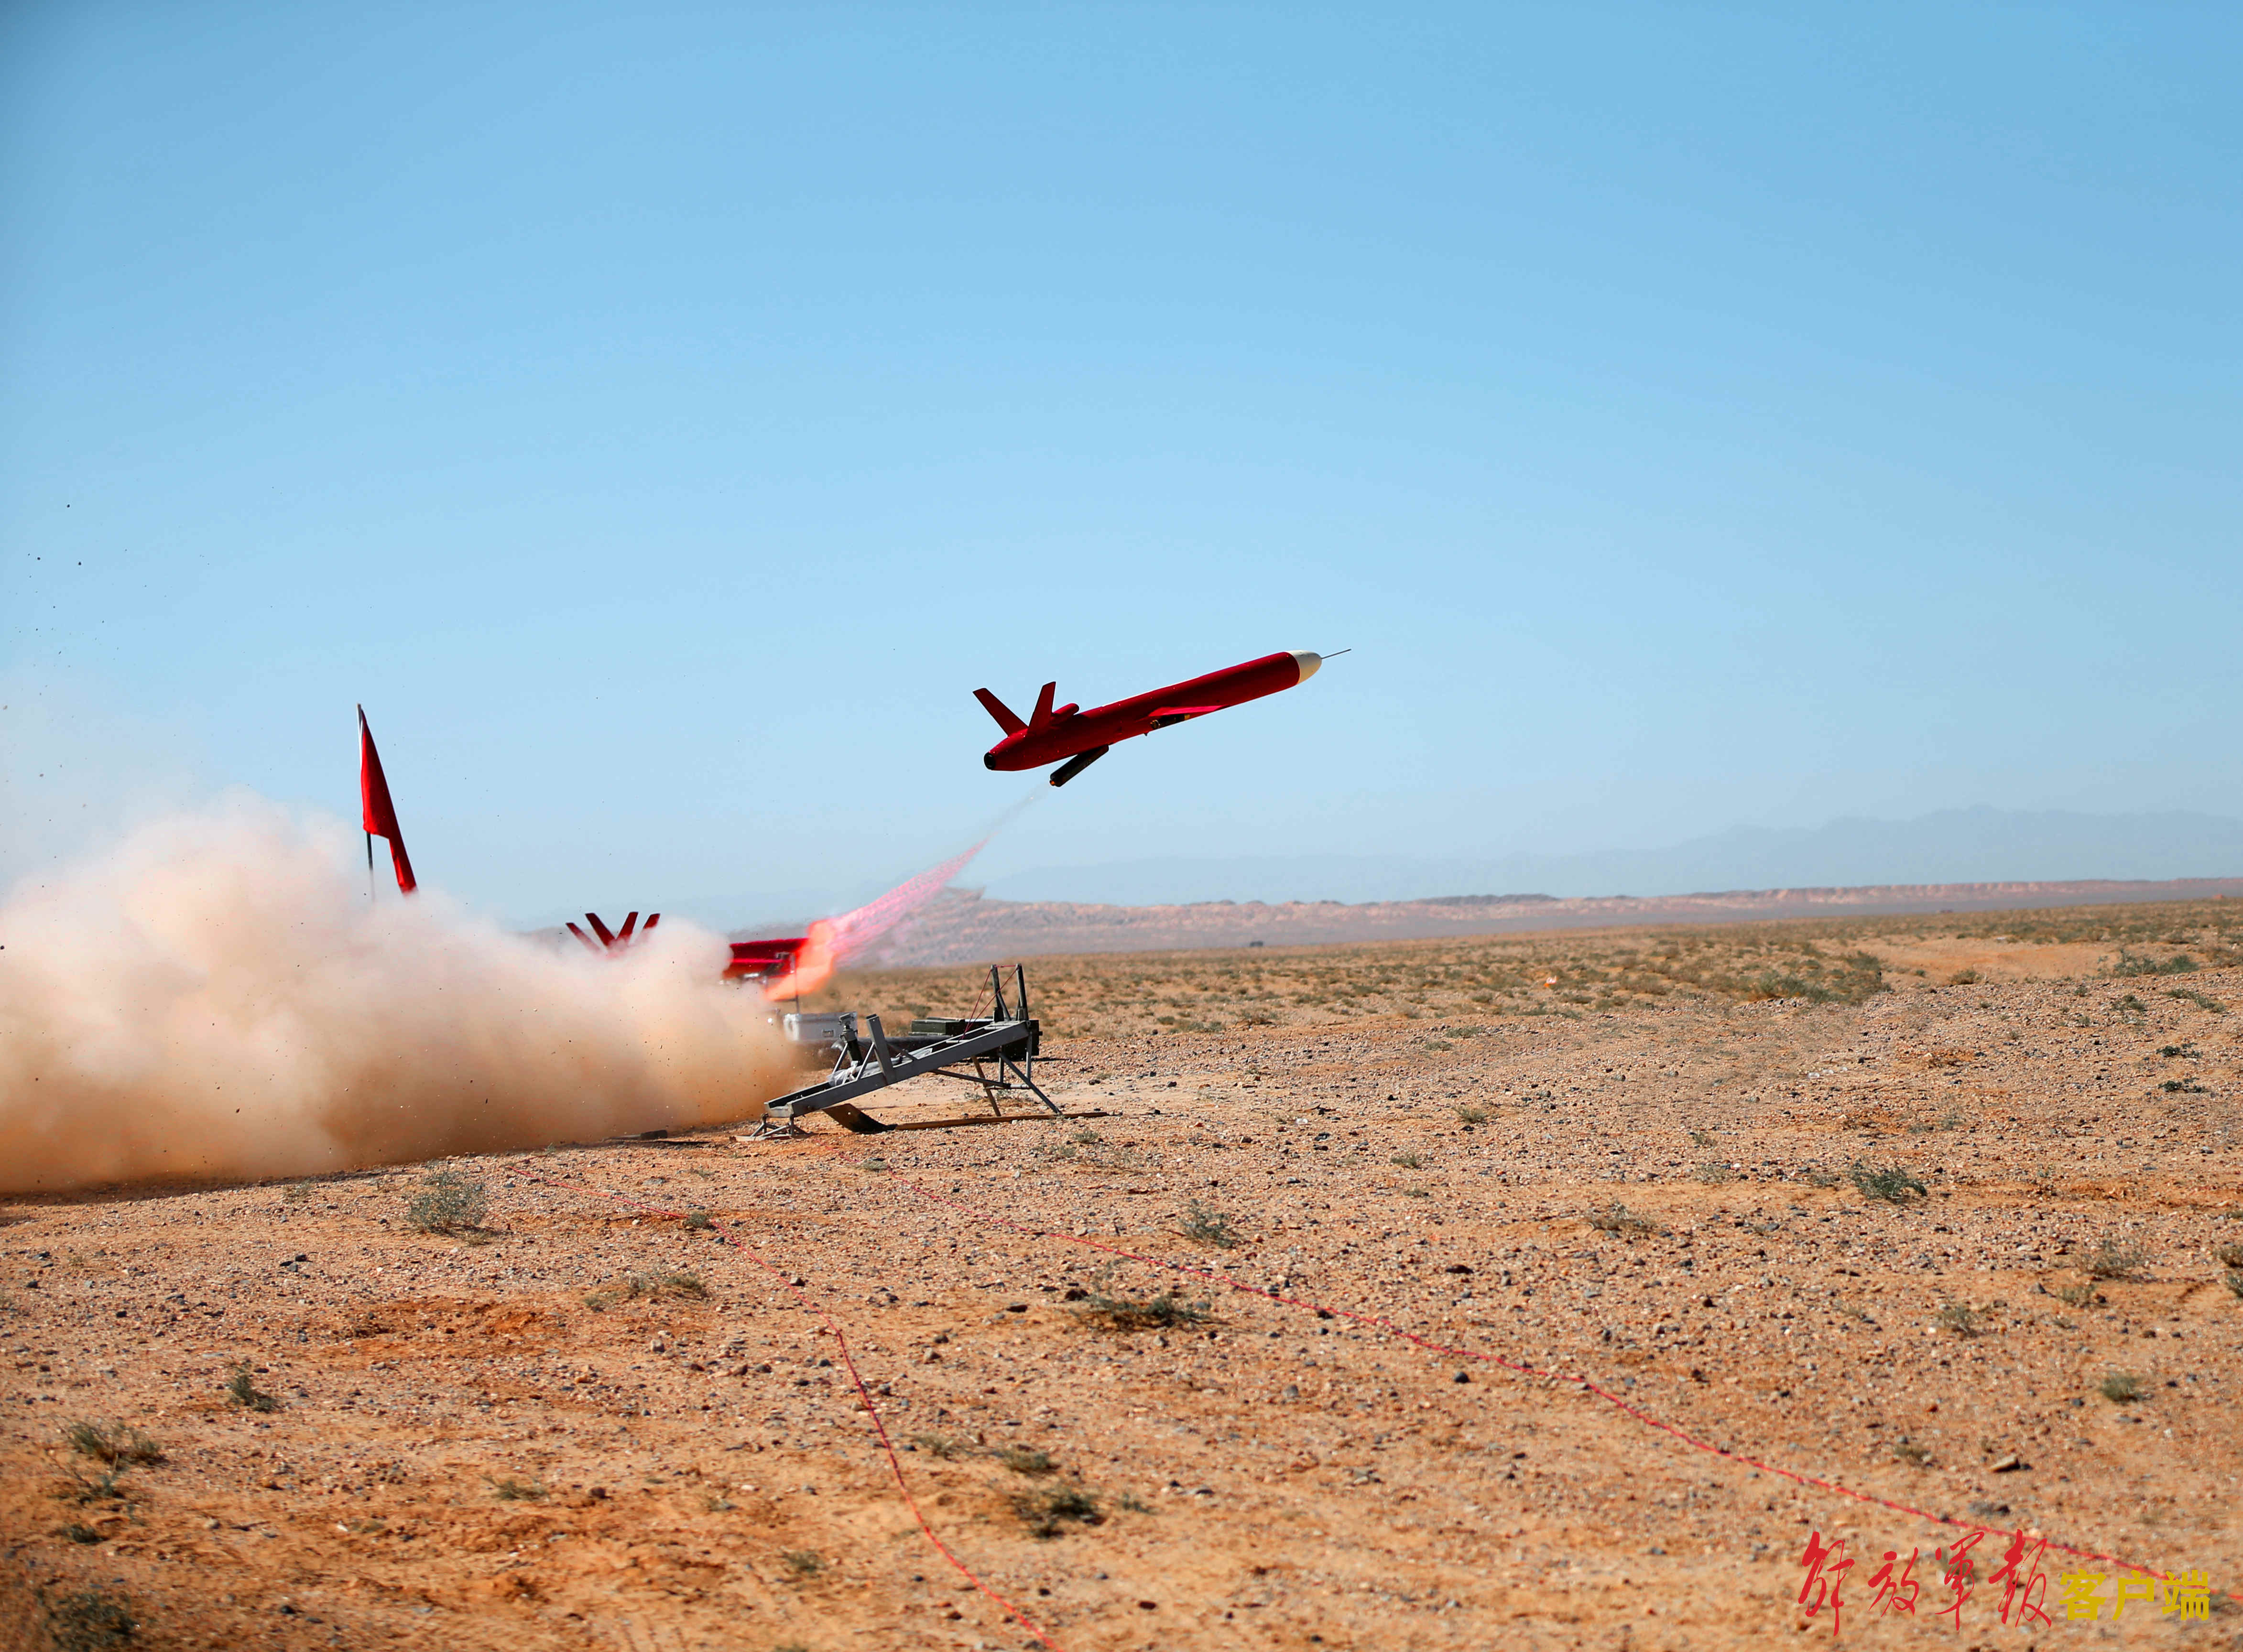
381 814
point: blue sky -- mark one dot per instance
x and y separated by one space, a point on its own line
662 418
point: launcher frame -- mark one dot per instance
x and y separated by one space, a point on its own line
1009 1038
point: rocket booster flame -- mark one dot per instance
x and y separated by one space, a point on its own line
835 941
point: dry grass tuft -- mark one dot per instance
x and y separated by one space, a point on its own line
1961 1318
115 1444
1158 1313
654 1286
90 1620
1618 1218
1025 1460
1046 1513
449 1202
1892 1185
1203 1225
2116 1259
242 1389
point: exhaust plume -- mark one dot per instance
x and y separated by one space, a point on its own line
215 998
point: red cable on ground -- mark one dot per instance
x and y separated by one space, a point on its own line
1379 1323
849 1364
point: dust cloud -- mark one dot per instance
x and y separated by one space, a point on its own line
216 998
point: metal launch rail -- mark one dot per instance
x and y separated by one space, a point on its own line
1009 1040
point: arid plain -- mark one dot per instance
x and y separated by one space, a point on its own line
1940 1210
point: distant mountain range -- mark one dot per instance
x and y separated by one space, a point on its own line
1952 847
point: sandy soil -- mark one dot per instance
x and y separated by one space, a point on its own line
586 1424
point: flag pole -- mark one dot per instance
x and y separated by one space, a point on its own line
362 781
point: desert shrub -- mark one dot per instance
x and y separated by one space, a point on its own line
2121 1386
448 1202
88 1620
1025 1460
940 1445
654 1285
1713 1173
517 1491
2179 964
2189 994
108 1485
1618 1218
699 1221
1046 1513
2229 1255
242 1389
112 1443
1410 1161
1892 1184
1909 1452
2116 1259
1960 1318
1855 979
1123 1313
803 1562
2074 1295
1204 1226
1473 1115
2234 1281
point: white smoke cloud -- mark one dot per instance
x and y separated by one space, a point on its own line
217 998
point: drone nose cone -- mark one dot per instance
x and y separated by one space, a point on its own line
1308 665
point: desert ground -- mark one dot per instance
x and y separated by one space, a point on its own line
1530 1291
965 926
